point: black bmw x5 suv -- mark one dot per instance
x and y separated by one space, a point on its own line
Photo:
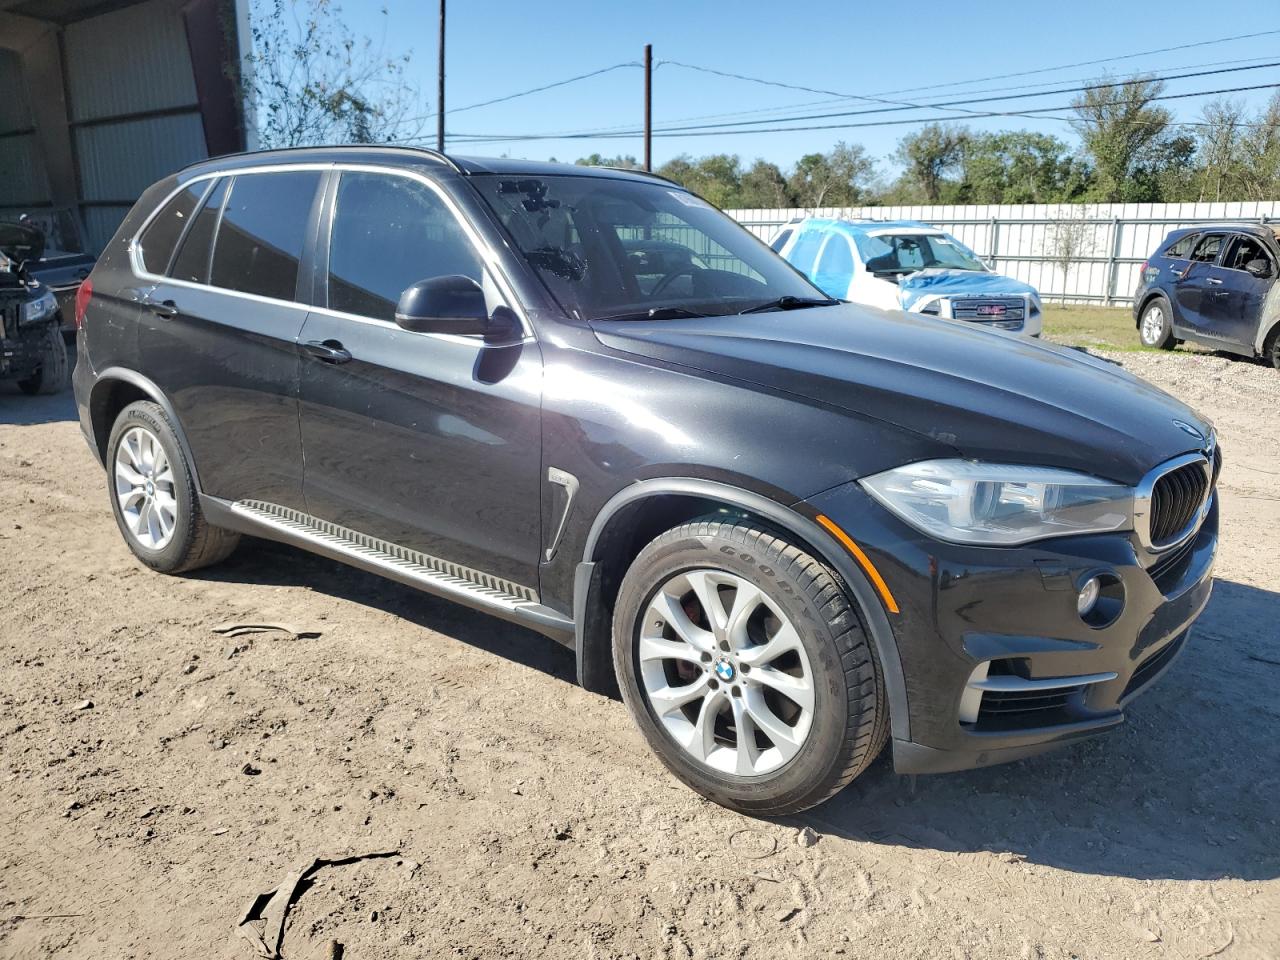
788 528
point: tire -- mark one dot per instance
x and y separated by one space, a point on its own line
53 373
1155 328
766 774
1271 349
142 445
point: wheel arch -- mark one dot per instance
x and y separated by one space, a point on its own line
113 390
641 511
1156 294
1266 330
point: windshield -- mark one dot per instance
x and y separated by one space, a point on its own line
909 252
612 248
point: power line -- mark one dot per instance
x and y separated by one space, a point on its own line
1092 63
1042 111
783 108
526 93
950 103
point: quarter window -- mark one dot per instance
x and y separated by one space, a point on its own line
1206 251
161 236
261 236
388 233
192 262
780 240
1181 247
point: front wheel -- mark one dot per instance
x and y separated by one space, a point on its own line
1156 329
53 371
747 668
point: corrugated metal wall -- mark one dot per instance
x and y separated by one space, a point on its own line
118 65
1020 240
22 178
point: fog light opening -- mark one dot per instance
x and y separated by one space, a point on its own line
1100 600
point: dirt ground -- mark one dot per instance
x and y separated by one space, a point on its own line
528 817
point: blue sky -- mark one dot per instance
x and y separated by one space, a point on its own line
498 48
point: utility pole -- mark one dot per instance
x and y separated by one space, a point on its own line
440 87
648 105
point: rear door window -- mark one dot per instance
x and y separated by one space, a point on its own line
835 266
1207 250
388 233
192 262
161 236
262 233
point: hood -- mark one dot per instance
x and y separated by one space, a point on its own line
20 242
986 395
915 287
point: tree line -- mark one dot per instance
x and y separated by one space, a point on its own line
1131 150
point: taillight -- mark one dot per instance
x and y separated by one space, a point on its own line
83 293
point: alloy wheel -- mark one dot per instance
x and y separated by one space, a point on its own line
725 672
1153 325
145 488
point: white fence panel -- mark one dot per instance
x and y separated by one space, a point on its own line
1020 240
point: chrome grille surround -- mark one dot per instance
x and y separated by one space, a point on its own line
1145 500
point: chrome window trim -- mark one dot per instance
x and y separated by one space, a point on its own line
1142 499
488 256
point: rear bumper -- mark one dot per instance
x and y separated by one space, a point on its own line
998 664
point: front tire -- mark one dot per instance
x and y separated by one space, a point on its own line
747 668
52 374
153 495
1155 329
1271 349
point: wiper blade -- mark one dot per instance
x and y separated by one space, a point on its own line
791 303
658 313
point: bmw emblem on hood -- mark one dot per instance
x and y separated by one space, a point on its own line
1188 429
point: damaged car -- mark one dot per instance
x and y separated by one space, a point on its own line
32 350
1215 286
906 265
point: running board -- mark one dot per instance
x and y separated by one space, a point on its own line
472 588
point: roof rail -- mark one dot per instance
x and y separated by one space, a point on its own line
435 154
642 173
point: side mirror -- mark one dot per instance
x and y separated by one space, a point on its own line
1259 268
456 305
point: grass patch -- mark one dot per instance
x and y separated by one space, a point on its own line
1107 328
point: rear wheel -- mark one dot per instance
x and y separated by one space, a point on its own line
747 668
153 495
1156 329
52 373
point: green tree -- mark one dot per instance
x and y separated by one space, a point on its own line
1019 166
839 178
764 185
1260 155
627 162
309 80
1131 143
929 155
717 177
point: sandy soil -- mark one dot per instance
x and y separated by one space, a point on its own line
529 819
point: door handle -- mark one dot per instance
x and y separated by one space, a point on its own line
164 309
330 351
1216 281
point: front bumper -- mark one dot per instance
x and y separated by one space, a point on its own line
1010 614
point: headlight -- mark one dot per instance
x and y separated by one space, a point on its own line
997 504
39 308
